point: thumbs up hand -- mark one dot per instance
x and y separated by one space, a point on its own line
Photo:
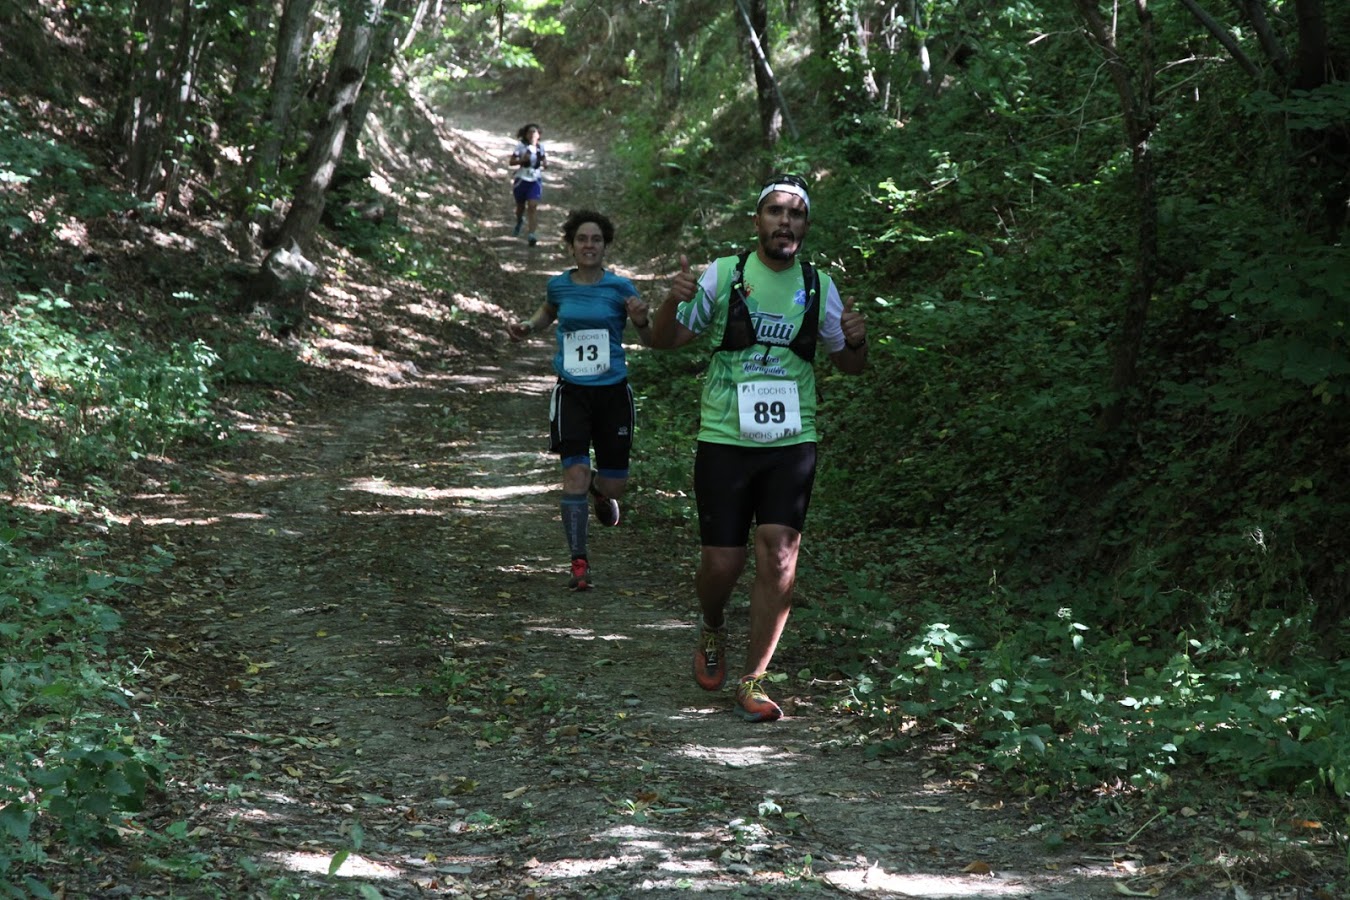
683 285
854 325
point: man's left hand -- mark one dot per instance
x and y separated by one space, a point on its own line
854 325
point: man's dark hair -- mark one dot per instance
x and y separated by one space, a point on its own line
578 217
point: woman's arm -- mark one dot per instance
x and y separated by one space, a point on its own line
544 315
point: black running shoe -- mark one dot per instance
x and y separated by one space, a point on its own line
606 510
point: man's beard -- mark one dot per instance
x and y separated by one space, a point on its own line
773 251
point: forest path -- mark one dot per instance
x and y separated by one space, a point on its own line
354 563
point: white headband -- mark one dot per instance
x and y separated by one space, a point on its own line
786 189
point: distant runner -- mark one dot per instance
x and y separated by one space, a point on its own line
527 183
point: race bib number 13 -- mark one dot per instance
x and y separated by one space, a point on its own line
586 352
769 410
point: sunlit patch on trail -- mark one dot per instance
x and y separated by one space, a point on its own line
469 492
930 886
156 521
740 757
580 634
577 868
353 866
694 713
667 625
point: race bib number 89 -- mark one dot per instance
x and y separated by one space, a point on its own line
586 352
769 410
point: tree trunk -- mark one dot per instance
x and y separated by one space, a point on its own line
418 17
1256 15
149 93
1220 34
250 54
850 84
755 14
388 38
266 161
920 44
191 44
1137 107
1313 65
670 45
342 89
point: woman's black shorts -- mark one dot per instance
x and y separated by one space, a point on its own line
581 416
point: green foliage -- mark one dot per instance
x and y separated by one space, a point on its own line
667 387
77 401
36 170
466 683
251 361
1053 701
74 758
356 214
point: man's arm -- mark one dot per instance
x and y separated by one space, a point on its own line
852 359
668 334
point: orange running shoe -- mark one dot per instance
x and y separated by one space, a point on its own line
710 661
752 704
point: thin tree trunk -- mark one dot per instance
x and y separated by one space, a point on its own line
1256 15
917 32
415 26
1313 66
342 88
249 59
755 15
266 160
191 46
1137 108
670 45
850 85
867 78
148 93
1221 35
387 41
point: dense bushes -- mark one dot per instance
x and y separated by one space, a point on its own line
76 401
74 753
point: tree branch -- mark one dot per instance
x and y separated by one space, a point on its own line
1221 35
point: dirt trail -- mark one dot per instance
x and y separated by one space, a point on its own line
342 570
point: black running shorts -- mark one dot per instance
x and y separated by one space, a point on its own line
735 486
585 416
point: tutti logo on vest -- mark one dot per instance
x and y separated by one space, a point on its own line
773 329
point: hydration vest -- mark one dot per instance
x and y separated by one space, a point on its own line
537 153
740 330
